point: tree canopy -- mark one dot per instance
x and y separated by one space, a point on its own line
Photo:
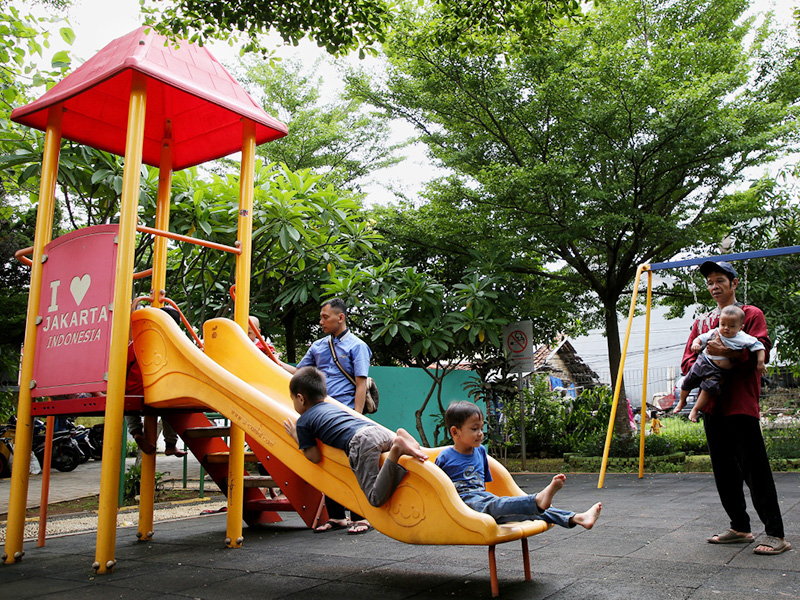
609 146
338 138
341 27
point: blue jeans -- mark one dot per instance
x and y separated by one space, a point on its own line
516 508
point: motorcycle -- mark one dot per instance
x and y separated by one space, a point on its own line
6 452
96 439
82 437
65 456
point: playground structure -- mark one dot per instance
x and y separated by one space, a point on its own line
649 268
174 107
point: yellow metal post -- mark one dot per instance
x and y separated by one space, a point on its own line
618 386
162 216
120 328
643 413
23 437
241 313
147 482
147 488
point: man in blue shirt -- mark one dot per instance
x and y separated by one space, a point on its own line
354 356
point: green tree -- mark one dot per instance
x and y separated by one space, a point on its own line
23 42
340 27
605 148
333 136
302 230
770 218
415 321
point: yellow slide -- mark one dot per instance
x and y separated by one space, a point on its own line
235 379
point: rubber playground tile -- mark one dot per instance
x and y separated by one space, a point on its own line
478 587
41 587
167 578
261 585
602 590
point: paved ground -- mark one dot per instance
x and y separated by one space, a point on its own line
85 480
649 543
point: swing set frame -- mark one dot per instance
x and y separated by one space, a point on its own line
649 268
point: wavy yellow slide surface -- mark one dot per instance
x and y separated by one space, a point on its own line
235 379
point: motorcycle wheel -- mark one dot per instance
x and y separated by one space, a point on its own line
4 470
87 451
68 459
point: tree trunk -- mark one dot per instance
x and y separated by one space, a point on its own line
621 420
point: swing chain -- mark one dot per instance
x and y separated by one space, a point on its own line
693 285
745 281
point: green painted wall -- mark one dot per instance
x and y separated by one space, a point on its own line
403 390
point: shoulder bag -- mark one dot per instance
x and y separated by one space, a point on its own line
372 397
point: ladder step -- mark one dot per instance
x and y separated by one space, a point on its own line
267 505
207 432
221 458
259 481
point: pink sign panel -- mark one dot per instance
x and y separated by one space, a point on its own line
73 333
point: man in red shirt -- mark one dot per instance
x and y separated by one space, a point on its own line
732 424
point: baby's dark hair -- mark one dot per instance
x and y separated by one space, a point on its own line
733 311
310 382
458 413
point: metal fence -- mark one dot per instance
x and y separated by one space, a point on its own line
660 381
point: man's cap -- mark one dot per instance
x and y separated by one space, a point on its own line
722 266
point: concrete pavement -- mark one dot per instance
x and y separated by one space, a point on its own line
85 480
649 543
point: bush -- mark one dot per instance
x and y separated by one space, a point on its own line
685 436
131 448
782 443
131 483
626 447
556 424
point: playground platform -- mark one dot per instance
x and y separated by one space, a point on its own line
649 543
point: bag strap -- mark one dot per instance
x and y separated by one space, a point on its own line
350 378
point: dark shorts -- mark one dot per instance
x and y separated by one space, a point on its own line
704 374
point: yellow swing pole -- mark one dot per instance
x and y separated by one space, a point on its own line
642 419
241 313
120 329
23 438
618 386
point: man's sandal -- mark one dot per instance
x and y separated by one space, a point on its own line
359 527
775 545
731 537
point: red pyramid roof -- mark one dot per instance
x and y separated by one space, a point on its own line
185 85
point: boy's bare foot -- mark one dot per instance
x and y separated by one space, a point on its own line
143 444
679 406
589 518
545 498
693 415
173 451
407 445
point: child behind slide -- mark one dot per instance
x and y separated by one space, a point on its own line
362 440
466 464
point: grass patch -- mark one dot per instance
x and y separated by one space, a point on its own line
697 463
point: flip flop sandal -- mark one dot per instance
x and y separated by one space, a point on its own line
731 537
331 526
354 531
775 545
